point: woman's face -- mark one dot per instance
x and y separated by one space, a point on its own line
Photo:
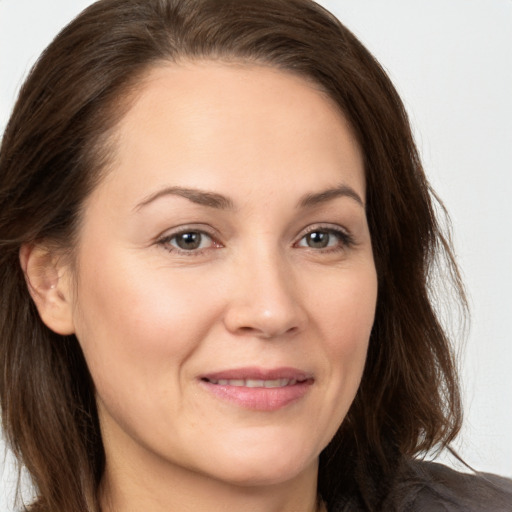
225 283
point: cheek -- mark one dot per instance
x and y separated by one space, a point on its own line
346 314
342 313
136 324
346 311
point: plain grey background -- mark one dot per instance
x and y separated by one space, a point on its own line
451 61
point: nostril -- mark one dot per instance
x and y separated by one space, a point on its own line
253 331
266 333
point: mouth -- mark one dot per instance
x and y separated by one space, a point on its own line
259 389
255 383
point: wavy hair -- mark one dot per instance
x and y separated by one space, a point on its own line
53 152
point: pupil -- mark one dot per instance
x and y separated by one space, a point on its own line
318 240
189 241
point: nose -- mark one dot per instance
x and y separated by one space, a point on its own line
265 300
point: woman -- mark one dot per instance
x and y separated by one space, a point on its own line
216 242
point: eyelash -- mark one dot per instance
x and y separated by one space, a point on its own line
346 241
166 242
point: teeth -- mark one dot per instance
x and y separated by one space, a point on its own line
278 383
255 383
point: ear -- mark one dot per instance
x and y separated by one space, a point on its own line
49 283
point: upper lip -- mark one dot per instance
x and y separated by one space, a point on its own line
257 373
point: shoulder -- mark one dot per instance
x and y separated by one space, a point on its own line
420 486
431 487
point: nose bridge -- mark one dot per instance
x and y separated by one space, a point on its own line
265 301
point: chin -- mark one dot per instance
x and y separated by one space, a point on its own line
266 468
270 475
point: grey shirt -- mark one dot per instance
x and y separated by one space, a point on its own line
430 487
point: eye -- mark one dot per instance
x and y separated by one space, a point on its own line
188 241
325 238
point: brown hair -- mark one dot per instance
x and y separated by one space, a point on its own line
52 153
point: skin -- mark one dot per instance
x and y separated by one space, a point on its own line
152 318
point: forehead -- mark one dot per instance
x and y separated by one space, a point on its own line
212 124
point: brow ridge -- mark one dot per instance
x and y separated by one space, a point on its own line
204 198
318 198
219 201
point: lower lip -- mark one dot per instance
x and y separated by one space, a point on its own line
260 399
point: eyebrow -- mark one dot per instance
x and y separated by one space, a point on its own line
210 199
318 198
221 202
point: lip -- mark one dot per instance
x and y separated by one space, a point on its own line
258 398
257 373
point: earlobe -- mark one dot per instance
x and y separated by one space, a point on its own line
48 282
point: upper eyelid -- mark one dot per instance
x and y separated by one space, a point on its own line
347 239
336 228
187 228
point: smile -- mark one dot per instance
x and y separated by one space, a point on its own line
254 383
259 389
